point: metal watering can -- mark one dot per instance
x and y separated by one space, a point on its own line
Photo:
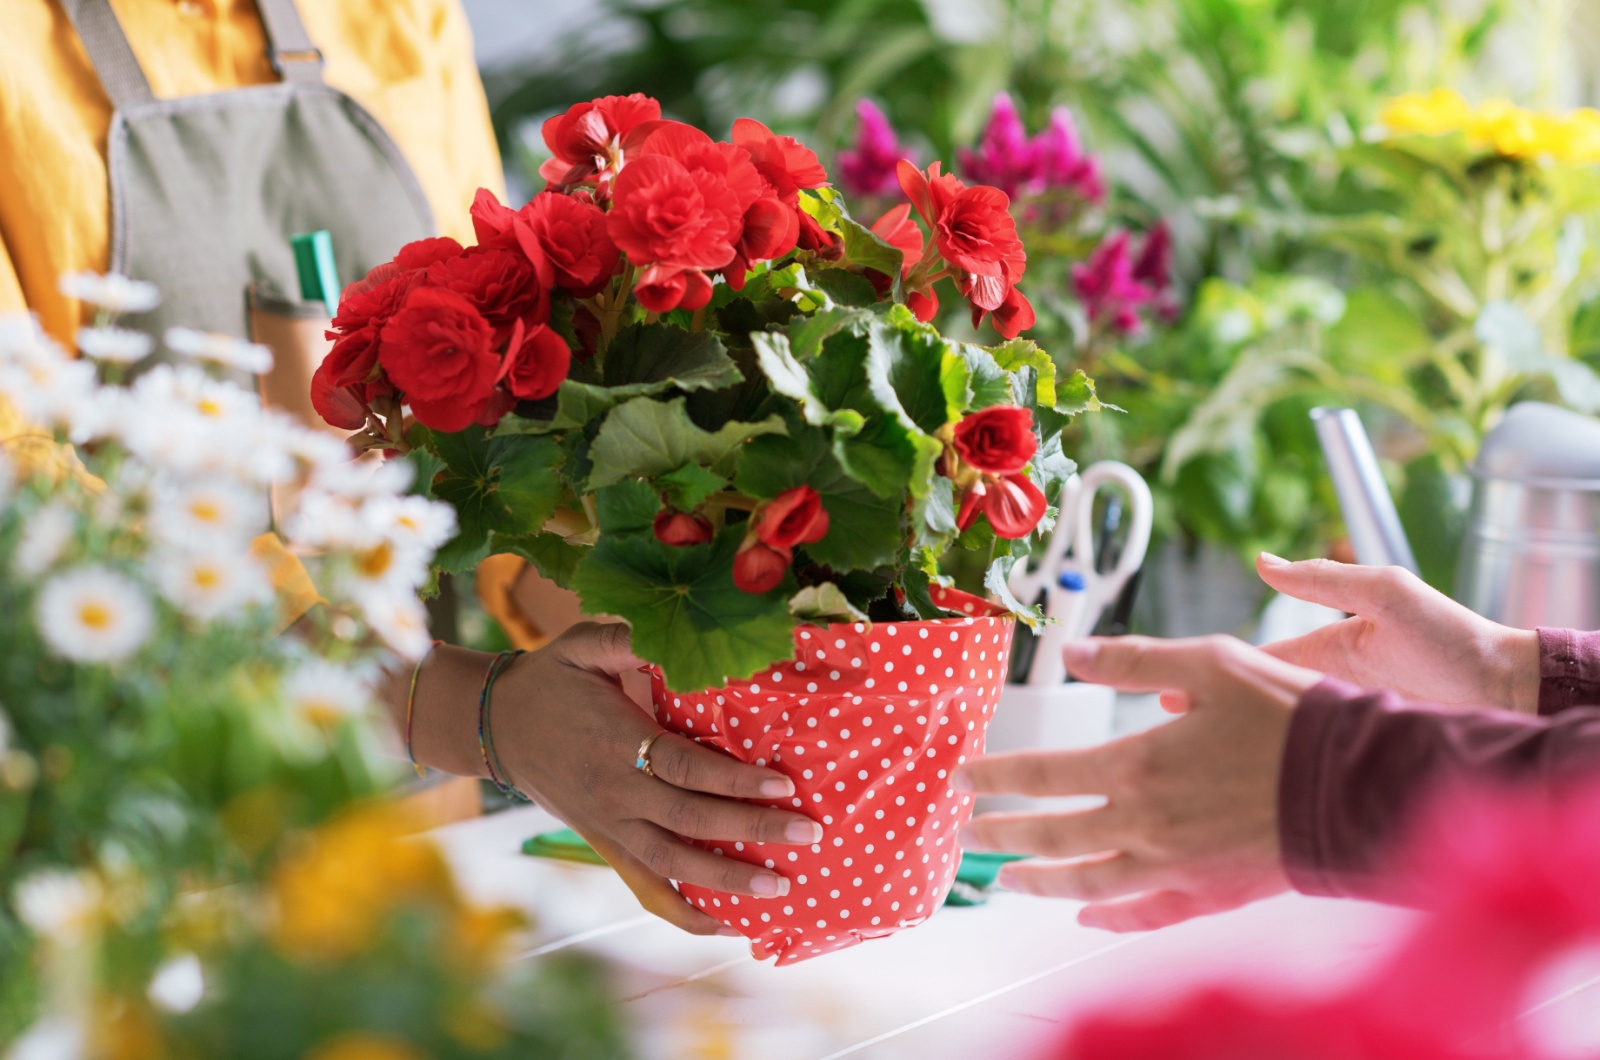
1531 554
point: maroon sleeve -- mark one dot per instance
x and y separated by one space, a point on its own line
1358 763
1569 670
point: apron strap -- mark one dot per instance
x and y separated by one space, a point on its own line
290 49
114 62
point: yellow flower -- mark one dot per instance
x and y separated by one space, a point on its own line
1433 113
1569 138
332 896
364 1046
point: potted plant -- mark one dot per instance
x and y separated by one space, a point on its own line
686 383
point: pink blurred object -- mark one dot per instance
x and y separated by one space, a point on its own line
1108 288
1063 163
868 168
1509 877
1005 158
868 721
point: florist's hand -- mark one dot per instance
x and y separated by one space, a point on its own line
1406 637
1190 826
568 736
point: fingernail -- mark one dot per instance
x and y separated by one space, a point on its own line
960 781
769 885
1269 560
777 788
803 832
732 933
970 840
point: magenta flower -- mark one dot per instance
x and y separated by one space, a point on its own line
1005 158
1063 163
869 167
1153 268
1108 288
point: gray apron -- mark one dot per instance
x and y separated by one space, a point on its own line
206 190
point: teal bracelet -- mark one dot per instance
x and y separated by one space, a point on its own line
485 736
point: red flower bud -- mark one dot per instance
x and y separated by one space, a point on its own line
971 505
998 440
1014 506
681 529
794 517
760 569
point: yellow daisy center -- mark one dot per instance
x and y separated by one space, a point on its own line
376 563
95 615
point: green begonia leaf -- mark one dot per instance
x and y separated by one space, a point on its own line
996 581
867 249
688 487
629 507
643 359
649 437
508 485
687 615
846 288
1034 372
789 377
1076 394
824 603
991 384
552 554
864 530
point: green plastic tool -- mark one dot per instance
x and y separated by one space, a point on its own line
319 273
565 845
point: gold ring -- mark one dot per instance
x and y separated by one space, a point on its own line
642 761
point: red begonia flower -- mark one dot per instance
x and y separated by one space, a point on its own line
997 440
760 568
537 367
438 349
793 517
681 529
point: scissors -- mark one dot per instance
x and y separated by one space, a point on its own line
1076 592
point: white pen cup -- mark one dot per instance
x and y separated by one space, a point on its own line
1048 718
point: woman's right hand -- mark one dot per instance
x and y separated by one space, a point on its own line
1405 636
568 735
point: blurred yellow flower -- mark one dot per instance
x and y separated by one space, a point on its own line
1433 113
363 1046
1568 137
332 895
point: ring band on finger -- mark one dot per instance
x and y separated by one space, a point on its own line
642 759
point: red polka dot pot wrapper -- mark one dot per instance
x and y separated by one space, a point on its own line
869 721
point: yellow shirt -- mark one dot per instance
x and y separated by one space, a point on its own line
409 62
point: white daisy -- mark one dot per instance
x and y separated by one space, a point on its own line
57 904
94 615
325 692
214 511
382 570
178 985
104 413
225 350
45 536
188 388
322 522
112 291
210 583
45 386
401 621
116 345
52 1038
411 522
19 331
364 479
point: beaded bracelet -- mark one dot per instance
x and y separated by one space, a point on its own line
485 737
411 706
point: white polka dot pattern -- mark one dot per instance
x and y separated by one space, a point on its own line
869 722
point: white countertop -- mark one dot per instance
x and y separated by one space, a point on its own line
990 981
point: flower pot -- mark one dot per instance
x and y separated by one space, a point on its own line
869 721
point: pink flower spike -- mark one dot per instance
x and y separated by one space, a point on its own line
1063 163
868 168
1005 158
1107 287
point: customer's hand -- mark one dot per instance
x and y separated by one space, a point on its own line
1406 637
568 735
1190 825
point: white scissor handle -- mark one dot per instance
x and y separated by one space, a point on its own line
1141 516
